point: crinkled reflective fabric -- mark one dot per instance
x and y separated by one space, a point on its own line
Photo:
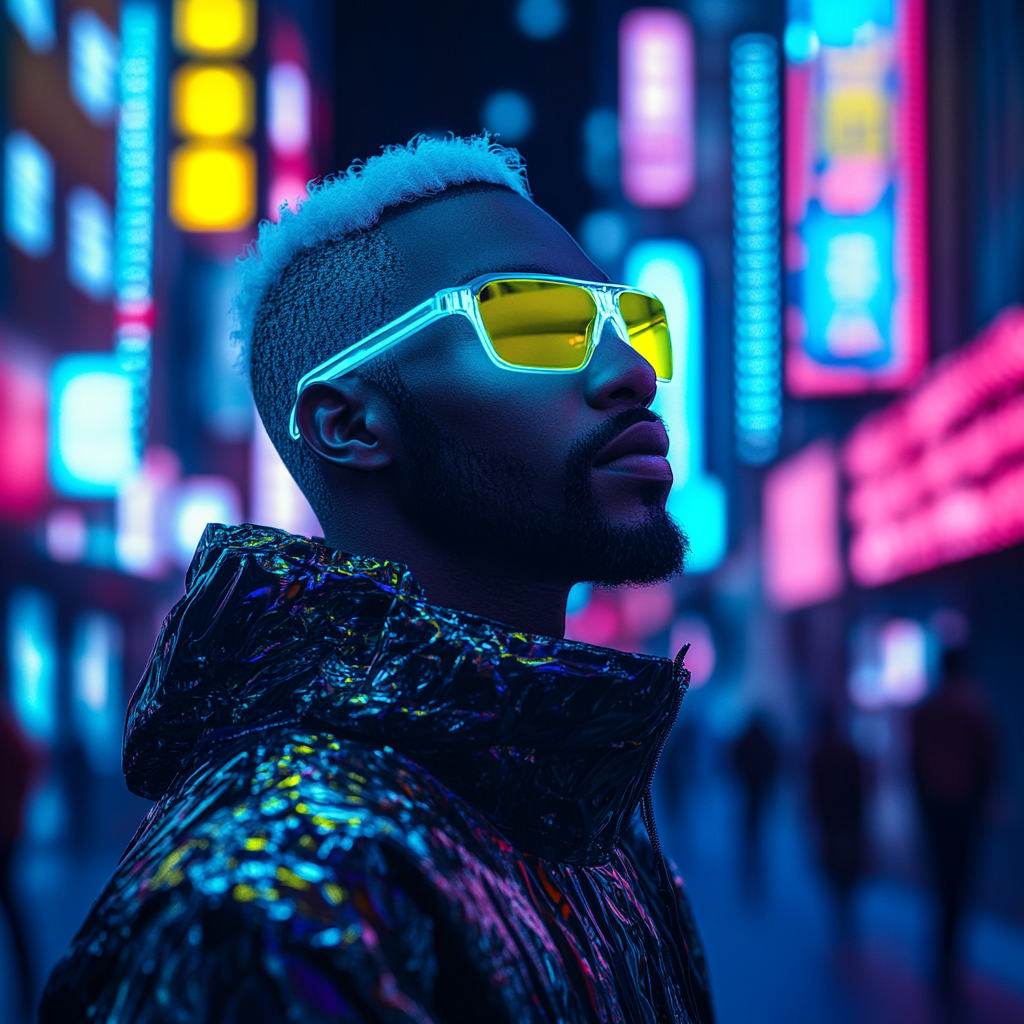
372 809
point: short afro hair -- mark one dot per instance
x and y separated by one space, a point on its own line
320 278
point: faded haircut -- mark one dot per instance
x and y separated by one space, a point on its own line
319 279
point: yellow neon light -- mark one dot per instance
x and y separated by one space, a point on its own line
212 186
213 101
214 28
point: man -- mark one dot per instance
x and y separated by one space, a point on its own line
386 790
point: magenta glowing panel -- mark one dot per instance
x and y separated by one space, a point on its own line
656 107
801 555
939 475
855 235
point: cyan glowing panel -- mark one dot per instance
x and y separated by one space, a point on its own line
757 316
28 194
92 426
672 270
97 692
856 210
32 661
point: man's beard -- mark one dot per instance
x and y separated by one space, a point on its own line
461 497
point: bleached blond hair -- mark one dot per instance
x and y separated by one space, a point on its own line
322 277
353 201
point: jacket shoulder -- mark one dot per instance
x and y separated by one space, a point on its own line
265 890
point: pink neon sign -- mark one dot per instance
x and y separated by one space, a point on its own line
656 104
939 476
856 206
800 543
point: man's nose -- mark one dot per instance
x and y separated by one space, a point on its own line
617 375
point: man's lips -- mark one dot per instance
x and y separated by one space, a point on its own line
639 450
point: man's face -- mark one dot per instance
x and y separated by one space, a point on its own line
561 476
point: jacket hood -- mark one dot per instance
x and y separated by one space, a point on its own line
553 740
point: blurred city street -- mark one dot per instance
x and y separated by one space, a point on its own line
817 207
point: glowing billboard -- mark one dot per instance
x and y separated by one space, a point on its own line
656 107
855 207
939 475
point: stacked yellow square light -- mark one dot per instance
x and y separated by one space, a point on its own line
212 174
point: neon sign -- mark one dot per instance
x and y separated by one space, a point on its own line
656 107
672 270
757 322
855 245
133 208
802 560
939 475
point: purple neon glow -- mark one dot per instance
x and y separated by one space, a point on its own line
656 107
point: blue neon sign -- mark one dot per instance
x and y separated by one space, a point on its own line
757 314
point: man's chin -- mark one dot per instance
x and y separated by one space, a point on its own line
636 554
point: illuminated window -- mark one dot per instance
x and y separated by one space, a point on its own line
97 704
28 194
215 28
32 661
90 243
92 434
656 107
36 21
288 108
213 186
93 65
757 317
672 270
213 101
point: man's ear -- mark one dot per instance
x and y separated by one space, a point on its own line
348 423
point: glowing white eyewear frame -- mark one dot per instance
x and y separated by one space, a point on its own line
462 301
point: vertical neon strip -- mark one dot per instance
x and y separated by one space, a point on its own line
656 107
134 206
757 322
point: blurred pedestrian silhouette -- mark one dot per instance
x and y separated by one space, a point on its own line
677 767
837 799
953 751
755 759
16 764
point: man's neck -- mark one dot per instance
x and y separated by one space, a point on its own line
527 605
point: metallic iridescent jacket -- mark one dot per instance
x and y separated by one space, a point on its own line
369 808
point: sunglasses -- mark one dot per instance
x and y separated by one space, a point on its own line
536 323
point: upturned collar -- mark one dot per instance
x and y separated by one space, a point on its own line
553 740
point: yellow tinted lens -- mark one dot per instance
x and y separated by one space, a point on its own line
648 330
538 325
